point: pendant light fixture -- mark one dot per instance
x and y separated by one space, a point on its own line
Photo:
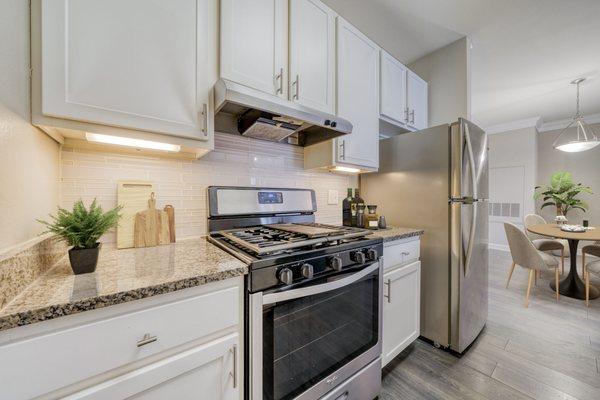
578 135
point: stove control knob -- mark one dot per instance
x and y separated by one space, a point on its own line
372 255
286 276
336 263
307 271
358 257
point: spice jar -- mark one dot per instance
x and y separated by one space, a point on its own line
371 218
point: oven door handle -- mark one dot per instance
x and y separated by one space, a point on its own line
325 287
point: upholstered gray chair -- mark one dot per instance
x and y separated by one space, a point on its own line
593 267
525 254
558 247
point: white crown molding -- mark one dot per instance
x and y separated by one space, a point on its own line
561 124
514 125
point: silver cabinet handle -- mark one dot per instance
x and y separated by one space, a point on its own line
204 114
405 253
147 339
279 78
388 296
233 373
412 116
406 115
296 83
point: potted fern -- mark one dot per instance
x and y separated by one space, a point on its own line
562 193
81 228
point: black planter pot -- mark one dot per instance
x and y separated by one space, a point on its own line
84 261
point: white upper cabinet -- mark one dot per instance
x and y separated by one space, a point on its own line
417 102
392 91
254 44
134 64
358 96
312 55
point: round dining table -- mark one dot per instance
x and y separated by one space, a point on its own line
572 285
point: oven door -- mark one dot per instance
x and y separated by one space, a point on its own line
307 340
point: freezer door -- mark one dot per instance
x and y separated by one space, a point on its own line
470 151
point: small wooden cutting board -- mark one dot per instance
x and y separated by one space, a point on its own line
151 226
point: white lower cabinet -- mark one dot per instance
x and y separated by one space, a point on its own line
209 371
182 345
401 308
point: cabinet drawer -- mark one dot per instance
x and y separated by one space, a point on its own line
80 352
400 252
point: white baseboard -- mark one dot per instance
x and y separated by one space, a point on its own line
500 247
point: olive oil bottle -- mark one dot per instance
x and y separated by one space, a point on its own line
347 209
357 200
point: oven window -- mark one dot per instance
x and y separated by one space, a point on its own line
308 338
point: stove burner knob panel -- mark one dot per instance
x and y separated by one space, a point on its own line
358 257
307 271
286 276
372 255
336 263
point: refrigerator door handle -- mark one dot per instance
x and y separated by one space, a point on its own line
471 160
469 253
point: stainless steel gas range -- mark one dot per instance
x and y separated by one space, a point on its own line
313 320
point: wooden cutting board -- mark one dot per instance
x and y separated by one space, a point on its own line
310 231
133 196
170 210
151 226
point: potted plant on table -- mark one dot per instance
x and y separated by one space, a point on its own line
562 193
81 228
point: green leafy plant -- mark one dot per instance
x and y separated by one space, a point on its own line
82 227
562 193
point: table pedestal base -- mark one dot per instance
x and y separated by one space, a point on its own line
574 288
572 285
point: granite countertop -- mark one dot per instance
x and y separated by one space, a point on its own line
121 276
395 233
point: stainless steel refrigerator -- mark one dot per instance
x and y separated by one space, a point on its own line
437 179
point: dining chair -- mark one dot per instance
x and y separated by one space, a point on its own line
526 255
593 267
558 247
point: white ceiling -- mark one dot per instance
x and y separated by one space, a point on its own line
525 52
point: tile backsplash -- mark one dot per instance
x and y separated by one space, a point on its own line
236 160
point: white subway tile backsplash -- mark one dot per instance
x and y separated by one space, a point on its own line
236 160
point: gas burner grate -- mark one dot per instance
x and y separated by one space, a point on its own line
264 239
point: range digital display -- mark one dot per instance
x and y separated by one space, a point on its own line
270 198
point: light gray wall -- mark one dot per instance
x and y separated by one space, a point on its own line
447 71
29 159
585 168
513 176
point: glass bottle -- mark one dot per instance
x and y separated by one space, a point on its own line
347 209
360 215
357 201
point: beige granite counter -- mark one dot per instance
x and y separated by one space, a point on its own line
395 233
121 276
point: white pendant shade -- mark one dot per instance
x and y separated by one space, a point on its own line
578 135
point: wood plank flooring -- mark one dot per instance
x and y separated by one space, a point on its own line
550 350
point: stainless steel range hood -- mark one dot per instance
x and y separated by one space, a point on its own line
244 111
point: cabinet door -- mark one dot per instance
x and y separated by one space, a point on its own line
209 371
312 54
401 309
417 101
392 91
358 96
130 63
254 44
